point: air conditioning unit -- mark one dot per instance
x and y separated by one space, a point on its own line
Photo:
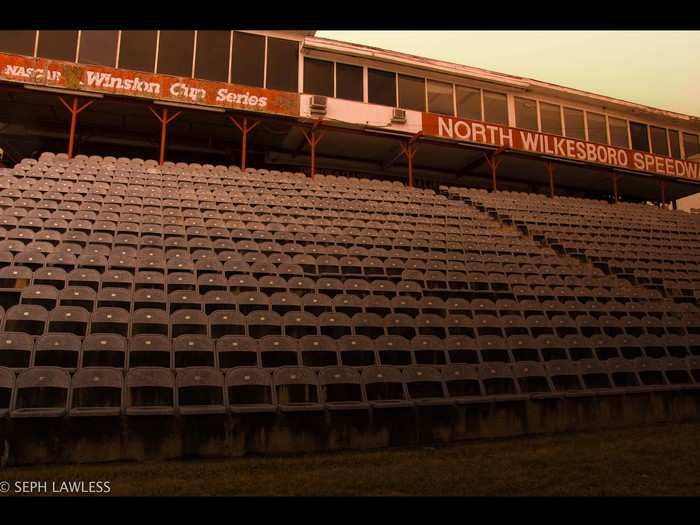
318 104
398 116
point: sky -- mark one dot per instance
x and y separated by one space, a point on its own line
656 68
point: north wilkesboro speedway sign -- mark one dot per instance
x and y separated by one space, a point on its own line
100 79
463 130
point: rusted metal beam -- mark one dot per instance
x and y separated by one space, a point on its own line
245 129
74 111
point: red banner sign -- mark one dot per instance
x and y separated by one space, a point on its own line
100 79
542 143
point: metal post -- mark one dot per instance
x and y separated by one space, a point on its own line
662 184
313 139
615 187
550 171
409 154
74 111
244 137
493 162
164 121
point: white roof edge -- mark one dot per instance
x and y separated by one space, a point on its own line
330 45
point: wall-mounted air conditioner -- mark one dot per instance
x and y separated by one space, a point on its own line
318 104
398 116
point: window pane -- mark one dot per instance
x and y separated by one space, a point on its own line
659 142
98 47
640 136
412 93
573 124
175 50
550 114
58 45
318 77
440 99
691 144
381 87
348 82
525 113
137 50
675 144
596 128
17 42
618 133
282 64
468 103
495 108
248 66
212 58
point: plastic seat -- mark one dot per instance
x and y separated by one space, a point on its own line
7 386
296 390
428 350
200 391
16 350
278 350
385 387
356 351
57 350
341 389
150 392
193 351
104 350
96 392
150 350
250 390
41 392
188 321
499 382
226 322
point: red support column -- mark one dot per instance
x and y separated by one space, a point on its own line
409 149
493 161
662 184
164 121
245 129
313 139
550 171
74 111
616 194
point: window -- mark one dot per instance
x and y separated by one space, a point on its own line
550 115
440 99
495 108
318 77
659 141
137 50
597 131
348 82
248 64
691 144
412 93
381 87
640 136
175 50
573 124
282 64
213 49
675 144
58 45
618 133
468 103
18 42
98 47
525 113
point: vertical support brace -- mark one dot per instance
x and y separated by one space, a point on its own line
493 161
313 138
164 121
409 150
550 172
244 129
615 183
662 185
74 112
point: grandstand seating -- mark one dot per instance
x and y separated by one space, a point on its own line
135 289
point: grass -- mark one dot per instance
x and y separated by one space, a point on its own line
658 460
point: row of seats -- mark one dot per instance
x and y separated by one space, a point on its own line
44 392
19 350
